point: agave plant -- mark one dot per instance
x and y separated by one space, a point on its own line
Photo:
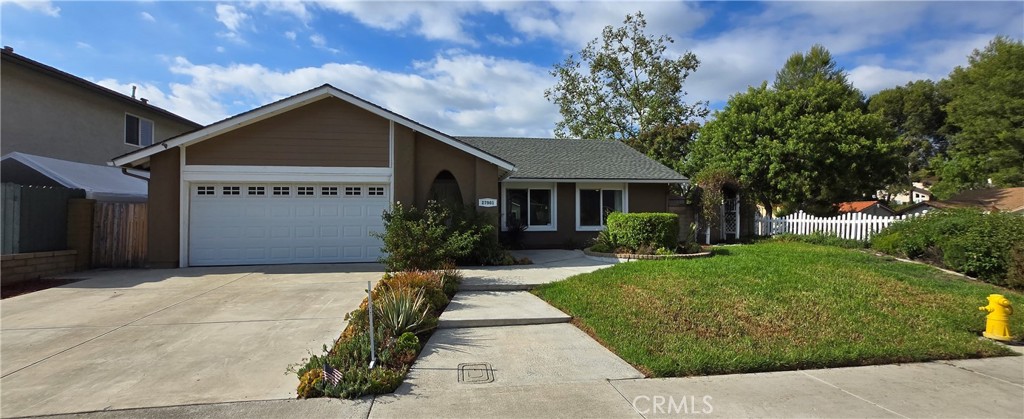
403 310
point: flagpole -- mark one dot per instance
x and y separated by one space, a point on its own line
373 345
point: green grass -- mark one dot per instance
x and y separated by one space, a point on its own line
779 306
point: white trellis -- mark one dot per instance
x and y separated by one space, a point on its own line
852 225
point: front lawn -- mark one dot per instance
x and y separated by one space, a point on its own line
779 306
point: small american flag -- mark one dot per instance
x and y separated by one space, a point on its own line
331 375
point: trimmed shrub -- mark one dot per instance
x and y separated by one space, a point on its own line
964 240
1015 273
643 230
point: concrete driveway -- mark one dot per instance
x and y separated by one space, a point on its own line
141 338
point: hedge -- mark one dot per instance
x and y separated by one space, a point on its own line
644 230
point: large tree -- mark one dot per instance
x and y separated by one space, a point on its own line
625 86
986 114
803 69
915 112
805 146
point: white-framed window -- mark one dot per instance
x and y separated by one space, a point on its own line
206 190
353 191
305 191
257 191
138 131
230 190
328 191
595 201
282 190
375 191
531 204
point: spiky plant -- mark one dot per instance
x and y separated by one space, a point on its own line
402 310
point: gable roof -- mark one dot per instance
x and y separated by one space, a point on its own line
858 206
138 157
571 159
99 182
9 57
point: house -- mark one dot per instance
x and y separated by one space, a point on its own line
921 207
306 179
917 193
996 199
50 113
876 208
102 183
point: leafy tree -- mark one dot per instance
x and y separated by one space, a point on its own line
801 70
915 112
986 112
800 147
624 87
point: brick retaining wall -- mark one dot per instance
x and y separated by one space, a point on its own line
29 266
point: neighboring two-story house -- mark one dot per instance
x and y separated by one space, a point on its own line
48 112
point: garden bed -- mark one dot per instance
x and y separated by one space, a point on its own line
779 306
625 257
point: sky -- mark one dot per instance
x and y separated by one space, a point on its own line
473 67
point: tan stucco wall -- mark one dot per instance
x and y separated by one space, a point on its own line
326 133
48 117
163 209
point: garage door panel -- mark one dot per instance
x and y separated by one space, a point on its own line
250 228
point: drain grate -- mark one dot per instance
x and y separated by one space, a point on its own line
476 373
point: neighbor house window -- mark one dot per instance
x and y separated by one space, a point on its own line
137 131
530 207
595 204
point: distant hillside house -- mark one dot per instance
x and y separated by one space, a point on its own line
50 113
916 194
866 207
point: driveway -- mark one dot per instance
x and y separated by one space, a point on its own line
142 338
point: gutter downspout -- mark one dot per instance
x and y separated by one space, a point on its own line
124 171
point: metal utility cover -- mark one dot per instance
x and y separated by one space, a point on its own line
476 373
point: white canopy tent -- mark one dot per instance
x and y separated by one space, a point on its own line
102 183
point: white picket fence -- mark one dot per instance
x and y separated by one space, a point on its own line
852 225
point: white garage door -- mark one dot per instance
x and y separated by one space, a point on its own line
250 224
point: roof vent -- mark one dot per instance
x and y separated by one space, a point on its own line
144 100
8 48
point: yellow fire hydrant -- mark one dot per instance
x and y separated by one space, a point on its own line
997 325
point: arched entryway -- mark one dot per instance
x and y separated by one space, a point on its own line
445 190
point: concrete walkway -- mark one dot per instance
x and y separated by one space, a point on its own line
548 266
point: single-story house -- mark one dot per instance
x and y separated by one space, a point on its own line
866 207
995 199
102 183
920 208
306 179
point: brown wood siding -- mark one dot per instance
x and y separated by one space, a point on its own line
326 133
405 165
648 197
163 209
432 157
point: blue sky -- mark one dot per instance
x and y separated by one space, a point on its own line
472 68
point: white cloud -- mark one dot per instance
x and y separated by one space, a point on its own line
231 17
432 20
871 78
42 6
147 17
290 35
292 7
220 49
455 92
320 42
83 45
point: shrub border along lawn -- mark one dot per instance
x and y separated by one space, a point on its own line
778 306
407 306
623 257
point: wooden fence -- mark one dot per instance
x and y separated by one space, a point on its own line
853 225
119 235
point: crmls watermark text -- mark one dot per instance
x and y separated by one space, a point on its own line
673 405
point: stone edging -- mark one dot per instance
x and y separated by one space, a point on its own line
625 257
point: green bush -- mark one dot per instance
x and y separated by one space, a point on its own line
821 239
1015 273
964 240
643 230
437 236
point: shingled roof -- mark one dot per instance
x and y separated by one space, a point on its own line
568 159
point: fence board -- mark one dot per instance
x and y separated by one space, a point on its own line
853 226
119 235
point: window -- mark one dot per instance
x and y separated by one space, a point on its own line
305 191
375 191
282 190
206 190
138 131
230 190
532 207
329 191
353 190
257 190
595 205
